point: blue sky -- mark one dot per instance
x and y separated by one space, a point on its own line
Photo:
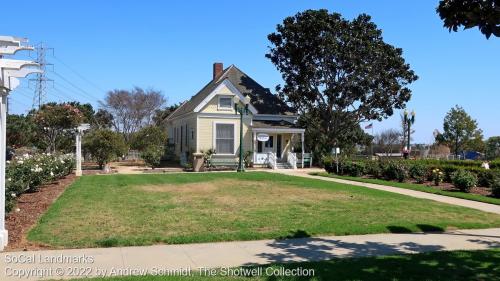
170 46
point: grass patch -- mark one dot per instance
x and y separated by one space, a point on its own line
417 187
126 210
455 265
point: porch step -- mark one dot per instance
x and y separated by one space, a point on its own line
283 165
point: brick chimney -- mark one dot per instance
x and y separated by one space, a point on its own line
218 68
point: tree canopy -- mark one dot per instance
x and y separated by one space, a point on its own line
55 120
340 72
132 109
483 14
493 148
148 136
460 131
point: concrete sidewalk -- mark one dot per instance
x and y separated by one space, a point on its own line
191 257
490 208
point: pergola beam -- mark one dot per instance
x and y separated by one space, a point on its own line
10 70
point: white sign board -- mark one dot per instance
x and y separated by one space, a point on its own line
262 137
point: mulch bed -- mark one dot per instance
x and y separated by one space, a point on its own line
32 206
446 186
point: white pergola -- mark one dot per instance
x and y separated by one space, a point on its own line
10 70
79 133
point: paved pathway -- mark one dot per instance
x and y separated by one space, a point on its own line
491 208
152 259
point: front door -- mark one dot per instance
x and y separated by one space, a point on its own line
268 145
278 146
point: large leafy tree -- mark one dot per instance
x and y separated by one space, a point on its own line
162 114
460 131
102 119
54 122
20 130
148 136
340 72
484 14
493 147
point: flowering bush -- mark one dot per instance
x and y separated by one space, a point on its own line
28 172
437 176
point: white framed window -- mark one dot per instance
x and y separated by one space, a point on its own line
224 138
225 103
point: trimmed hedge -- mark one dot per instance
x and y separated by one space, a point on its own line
419 170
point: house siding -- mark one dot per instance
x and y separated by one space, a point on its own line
206 126
184 125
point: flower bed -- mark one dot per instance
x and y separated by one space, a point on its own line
28 172
464 175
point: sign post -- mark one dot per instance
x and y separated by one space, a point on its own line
336 151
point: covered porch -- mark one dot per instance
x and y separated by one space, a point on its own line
278 144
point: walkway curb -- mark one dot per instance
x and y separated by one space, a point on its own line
191 257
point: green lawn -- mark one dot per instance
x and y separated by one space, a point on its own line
121 210
456 265
418 187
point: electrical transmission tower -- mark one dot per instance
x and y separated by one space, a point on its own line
41 80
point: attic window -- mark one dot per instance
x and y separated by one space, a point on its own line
225 103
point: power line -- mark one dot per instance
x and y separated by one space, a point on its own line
79 75
69 90
74 86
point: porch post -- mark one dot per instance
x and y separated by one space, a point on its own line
254 138
302 138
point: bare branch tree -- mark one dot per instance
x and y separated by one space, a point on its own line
388 141
132 109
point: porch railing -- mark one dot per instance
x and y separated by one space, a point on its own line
272 160
292 160
261 158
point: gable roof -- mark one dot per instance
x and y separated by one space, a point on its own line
261 98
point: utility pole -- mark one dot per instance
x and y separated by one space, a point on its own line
41 80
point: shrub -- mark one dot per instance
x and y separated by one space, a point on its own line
148 136
353 169
418 172
495 187
464 180
28 172
485 178
373 168
395 170
104 145
329 164
152 155
207 157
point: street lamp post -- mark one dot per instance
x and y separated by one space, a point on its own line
408 120
242 110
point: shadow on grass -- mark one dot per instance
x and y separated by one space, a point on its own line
421 227
372 261
457 265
